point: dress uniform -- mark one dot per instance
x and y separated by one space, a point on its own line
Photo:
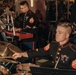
23 20
62 56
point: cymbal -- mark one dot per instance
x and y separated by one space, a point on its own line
7 49
7 60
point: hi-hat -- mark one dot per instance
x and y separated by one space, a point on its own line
8 49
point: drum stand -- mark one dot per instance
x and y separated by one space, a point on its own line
6 66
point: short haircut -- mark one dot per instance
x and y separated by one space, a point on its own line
66 25
24 3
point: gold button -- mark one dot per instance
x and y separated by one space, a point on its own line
59 49
58 53
37 49
56 57
50 55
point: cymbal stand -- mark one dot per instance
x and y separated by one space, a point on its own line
12 26
7 64
4 36
7 18
11 67
3 29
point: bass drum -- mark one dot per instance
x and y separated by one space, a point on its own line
4 71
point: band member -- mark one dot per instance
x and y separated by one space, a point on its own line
26 19
62 51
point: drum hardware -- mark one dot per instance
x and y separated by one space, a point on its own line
6 64
12 24
2 27
9 65
6 51
8 18
4 36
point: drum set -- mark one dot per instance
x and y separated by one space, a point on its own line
9 66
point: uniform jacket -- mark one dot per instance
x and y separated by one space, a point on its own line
62 55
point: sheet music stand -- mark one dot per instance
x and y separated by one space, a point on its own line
51 71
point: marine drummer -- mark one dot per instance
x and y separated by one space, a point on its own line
63 52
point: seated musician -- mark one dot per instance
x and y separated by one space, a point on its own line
26 23
63 52
26 19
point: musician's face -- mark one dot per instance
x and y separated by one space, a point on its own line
24 8
61 34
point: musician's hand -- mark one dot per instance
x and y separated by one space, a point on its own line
18 29
28 26
17 55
